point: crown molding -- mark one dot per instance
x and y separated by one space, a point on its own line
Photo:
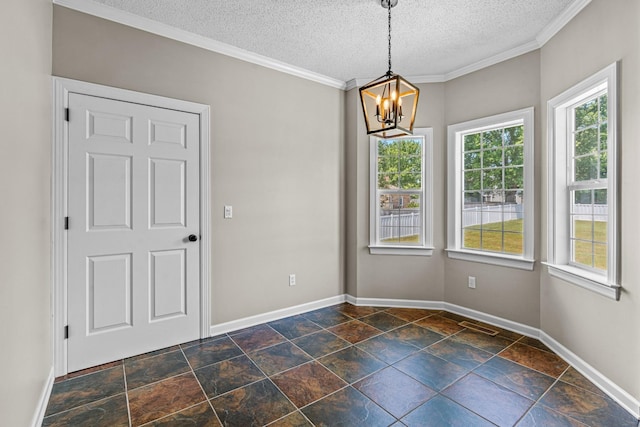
436 78
561 20
468 69
493 60
164 30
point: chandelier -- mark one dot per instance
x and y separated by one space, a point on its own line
389 103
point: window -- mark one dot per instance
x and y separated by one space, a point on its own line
491 190
582 185
401 188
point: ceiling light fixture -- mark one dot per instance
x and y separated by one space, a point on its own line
384 98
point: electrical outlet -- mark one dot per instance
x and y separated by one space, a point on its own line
472 282
228 212
292 280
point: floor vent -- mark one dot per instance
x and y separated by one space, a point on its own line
479 328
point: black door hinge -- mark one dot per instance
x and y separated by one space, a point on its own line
66 332
66 114
66 222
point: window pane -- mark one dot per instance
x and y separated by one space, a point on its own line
411 181
514 198
411 147
586 114
472 160
492 179
387 165
387 147
603 108
582 197
471 238
513 242
586 168
472 198
582 228
603 164
603 136
600 256
472 180
410 164
472 142
492 139
514 135
600 196
514 178
387 204
492 241
492 217
386 181
492 158
600 229
586 141
583 253
514 156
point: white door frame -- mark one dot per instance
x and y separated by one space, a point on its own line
61 89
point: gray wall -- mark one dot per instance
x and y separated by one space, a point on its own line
25 150
276 157
510 85
389 276
604 333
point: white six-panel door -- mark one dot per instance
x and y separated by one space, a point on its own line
133 201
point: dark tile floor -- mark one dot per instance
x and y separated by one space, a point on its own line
341 365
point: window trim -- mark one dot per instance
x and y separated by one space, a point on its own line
558 262
454 190
426 249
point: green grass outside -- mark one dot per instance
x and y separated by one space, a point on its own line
407 239
586 253
490 238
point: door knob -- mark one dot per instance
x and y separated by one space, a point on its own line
192 237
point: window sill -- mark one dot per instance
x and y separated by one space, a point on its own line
401 250
585 279
493 259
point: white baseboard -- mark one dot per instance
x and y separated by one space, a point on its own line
493 320
623 398
399 303
38 416
631 404
439 305
246 322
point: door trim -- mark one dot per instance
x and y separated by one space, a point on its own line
62 87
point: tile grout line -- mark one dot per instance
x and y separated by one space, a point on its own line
86 403
267 377
204 393
539 400
314 359
126 394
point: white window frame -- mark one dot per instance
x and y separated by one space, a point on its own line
426 206
456 134
558 250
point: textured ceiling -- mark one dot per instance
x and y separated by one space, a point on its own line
348 39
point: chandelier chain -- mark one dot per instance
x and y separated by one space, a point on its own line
389 10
